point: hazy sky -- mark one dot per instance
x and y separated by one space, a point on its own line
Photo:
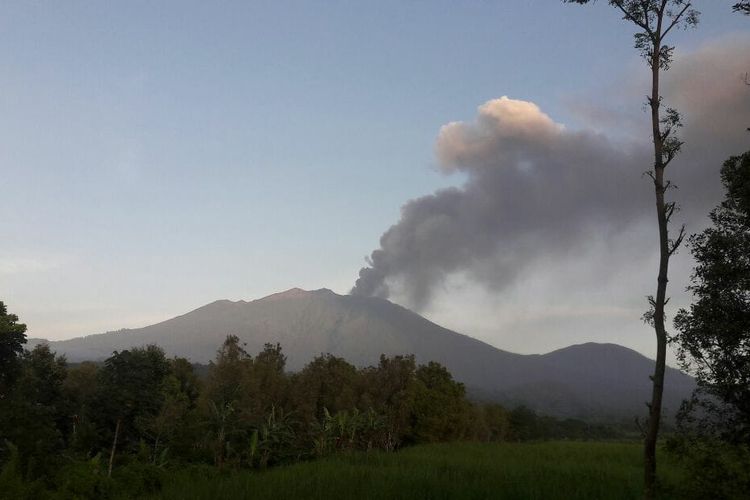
157 156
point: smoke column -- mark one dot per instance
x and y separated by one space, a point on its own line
536 192
531 186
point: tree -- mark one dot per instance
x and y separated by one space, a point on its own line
188 381
492 422
743 7
225 375
12 339
441 412
223 396
525 423
390 389
265 383
35 415
714 333
80 391
130 385
655 19
177 424
325 383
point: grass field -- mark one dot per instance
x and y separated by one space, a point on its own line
557 470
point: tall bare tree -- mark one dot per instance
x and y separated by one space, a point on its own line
655 20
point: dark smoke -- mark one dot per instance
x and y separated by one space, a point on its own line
531 187
535 191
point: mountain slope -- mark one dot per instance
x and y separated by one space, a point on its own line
602 380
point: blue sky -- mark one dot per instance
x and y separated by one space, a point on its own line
156 156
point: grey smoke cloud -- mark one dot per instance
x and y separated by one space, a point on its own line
707 87
535 191
531 187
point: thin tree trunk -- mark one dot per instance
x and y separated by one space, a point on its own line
114 447
220 455
156 449
654 417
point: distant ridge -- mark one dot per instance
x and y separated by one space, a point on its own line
595 381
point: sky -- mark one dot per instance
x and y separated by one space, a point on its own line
157 156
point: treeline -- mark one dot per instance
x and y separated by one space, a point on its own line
68 428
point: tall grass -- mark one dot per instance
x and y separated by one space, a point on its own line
556 470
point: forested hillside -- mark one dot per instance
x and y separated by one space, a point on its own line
591 381
91 429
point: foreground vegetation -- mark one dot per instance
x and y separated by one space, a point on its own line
141 425
551 470
543 470
102 430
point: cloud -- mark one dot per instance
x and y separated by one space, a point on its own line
503 128
706 87
536 194
9 265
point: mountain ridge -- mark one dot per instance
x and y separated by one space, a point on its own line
583 380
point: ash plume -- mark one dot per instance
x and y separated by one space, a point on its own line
531 187
536 192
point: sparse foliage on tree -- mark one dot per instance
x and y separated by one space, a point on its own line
654 20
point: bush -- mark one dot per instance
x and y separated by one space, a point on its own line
715 469
84 480
137 480
12 484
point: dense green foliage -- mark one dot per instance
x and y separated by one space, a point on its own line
714 333
12 339
714 344
102 430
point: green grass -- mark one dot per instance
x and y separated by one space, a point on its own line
557 470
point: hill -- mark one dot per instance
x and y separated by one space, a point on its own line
599 381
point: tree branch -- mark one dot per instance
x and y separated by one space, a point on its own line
632 19
676 19
674 245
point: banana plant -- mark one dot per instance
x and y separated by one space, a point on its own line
274 438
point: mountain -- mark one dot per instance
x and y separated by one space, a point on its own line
589 380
